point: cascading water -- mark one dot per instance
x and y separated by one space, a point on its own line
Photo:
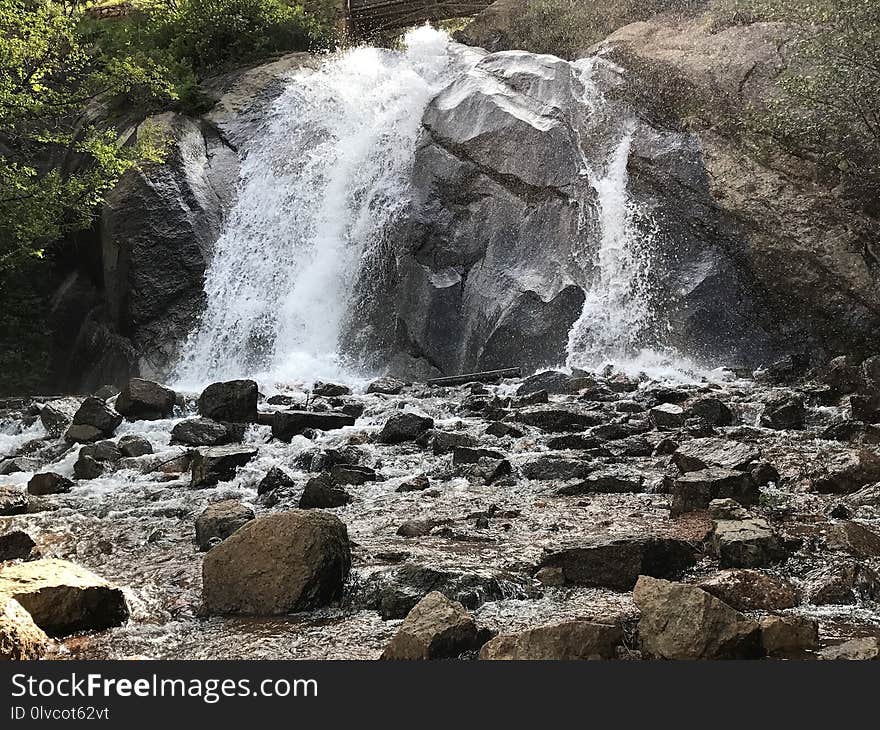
321 183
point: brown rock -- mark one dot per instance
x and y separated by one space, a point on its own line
564 641
20 637
436 628
781 634
751 590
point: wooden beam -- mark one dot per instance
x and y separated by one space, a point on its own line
486 376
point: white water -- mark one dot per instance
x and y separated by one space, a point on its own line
320 186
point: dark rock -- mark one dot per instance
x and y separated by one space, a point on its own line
404 427
749 543
867 497
556 418
133 446
848 472
352 474
618 563
500 430
57 415
751 590
573 442
554 466
435 628
784 413
277 564
275 479
764 474
550 381
631 446
488 471
386 386
787 369
93 421
467 455
330 390
703 453
727 509
205 432
419 528
680 621
854 432
218 464
16 545
844 583
234 401
605 483
321 493
567 641
694 490
667 416
104 451
48 483
866 407
854 538
841 375
13 501
287 424
665 447
445 442
19 464
418 483
219 520
144 400
88 467
712 410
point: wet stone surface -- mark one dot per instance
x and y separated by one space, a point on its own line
496 479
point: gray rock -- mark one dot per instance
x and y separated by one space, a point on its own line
13 501
557 467
551 381
218 464
854 538
404 427
445 442
206 432
275 479
220 520
352 474
144 400
695 490
559 418
287 424
848 472
321 493
605 482
667 416
57 415
703 453
749 543
418 483
843 583
784 413
93 420
132 446
865 648
712 410
386 386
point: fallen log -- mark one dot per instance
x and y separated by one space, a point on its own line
487 376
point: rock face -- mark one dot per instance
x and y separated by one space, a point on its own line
62 597
566 641
20 637
680 621
436 628
280 563
144 400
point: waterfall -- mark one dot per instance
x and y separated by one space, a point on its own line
326 175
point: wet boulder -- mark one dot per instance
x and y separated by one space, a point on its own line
95 459
16 545
234 401
695 490
321 493
206 432
276 564
275 479
680 621
386 386
219 520
354 474
840 374
62 597
94 420
848 472
712 410
48 483
287 424
444 442
784 413
556 467
550 381
20 638
133 446
218 464
330 390
417 483
866 408
566 641
467 455
403 427
844 583
19 464
787 634
57 415
752 590
667 416
749 543
605 481
854 538
618 563
144 400
555 418
435 628
13 500
702 453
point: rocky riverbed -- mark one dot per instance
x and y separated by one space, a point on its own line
323 515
